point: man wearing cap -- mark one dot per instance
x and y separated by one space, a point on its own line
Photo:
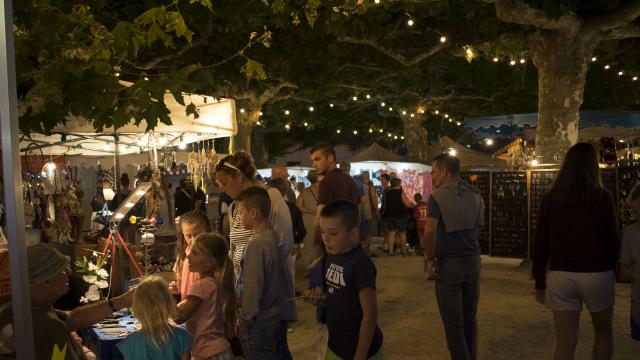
49 279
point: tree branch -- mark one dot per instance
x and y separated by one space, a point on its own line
625 32
391 53
519 12
615 18
271 92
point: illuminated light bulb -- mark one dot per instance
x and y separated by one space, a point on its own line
594 59
522 61
495 59
489 142
117 74
402 137
182 146
436 112
381 131
452 152
443 39
446 115
450 120
376 1
404 112
368 96
355 98
242 111
382 104
338 131
410 22
607 67
260 113
390 109
395 137
534 162
370 130
51 167
458 123
622 141
330 105
512 62
140 192
311 108
306 124
634 78
412 114
287 127
389 135
469 51
129 205
146 78
258 123
620 73
287 112
355 132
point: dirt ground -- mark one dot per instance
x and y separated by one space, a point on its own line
511 324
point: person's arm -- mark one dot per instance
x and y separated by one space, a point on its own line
253 276
405 200
187 308
373 197
301 205
626 262
85 316
369 305
280 221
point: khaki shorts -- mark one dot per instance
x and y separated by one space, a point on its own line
567 290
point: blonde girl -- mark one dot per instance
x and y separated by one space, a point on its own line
192 224
158 338
210 307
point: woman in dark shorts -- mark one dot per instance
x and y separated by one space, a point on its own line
394 216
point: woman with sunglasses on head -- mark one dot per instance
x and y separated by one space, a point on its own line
234 174
577 236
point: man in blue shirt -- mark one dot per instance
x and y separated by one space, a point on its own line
452 252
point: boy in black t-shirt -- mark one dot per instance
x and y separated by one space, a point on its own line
349 285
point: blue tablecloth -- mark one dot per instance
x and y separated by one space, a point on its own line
106 341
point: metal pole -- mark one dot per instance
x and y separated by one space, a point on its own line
116 166
20 291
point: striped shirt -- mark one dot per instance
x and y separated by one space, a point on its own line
239 237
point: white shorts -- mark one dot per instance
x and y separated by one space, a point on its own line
567 290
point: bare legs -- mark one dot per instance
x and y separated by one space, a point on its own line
391 237
566 324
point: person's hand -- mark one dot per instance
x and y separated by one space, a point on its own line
76 338
540 296
432 268
173 288
314 295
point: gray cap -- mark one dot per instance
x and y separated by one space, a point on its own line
45 262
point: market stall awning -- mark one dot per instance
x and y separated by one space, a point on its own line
376 152
468 158
78 137
593 124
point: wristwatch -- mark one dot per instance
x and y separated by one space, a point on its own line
113 307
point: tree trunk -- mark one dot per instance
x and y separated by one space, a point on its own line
416 137
246 122
562 60
260 152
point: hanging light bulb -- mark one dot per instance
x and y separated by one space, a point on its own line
495 59
306 124
607 67
331 105
634 78
242 111
436 112
117 74
260 113
355 98
404 112
311 108
338 131
370 130
146 78
287 126
512 62
410 22
620 73
390 109
402 137
489 142
381 131
522 61
51 167
412 114
443 39
368 96
446 116
395 137
382 104
389 135
534 162
452 152
258 123
594 59
355 132
376 1
287 112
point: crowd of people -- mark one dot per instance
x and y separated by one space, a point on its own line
235 290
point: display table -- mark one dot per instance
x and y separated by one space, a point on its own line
108 334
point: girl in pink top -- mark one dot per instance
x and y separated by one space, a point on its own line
192 224
210 308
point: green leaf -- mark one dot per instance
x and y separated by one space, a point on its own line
175 23
152 16
279 6
178 96
192 110
205 3
253 70
311 11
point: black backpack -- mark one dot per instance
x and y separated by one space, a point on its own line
299 231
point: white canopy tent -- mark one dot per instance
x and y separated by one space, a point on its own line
298 171
78 137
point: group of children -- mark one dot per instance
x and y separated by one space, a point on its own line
216 313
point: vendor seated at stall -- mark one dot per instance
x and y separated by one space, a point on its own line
49 279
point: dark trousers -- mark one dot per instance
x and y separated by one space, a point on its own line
457 292
267 342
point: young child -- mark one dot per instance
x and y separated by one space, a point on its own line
630 259
192 224
350 283
262 330
158 338
210 308
420 211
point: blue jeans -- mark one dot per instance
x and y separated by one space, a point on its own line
268 342
457 292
